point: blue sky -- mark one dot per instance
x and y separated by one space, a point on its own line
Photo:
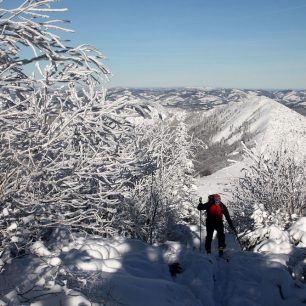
216 43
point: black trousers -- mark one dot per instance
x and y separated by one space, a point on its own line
212 225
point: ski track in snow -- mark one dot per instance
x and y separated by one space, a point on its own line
221 282
251 279
222 277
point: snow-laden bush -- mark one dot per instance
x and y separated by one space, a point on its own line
276 182
184 148
266 234
273 239
65 155
297 232
163 196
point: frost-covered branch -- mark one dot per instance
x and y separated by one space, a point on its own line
275 182
63 147
27 30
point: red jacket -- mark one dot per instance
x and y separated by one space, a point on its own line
215 212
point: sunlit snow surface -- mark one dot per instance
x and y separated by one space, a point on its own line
272 124
130 272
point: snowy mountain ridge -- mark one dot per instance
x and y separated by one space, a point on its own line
267 122
205 99
257 120
261 123
267 119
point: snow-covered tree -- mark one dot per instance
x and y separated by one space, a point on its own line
275 183
68 156
63 147
163 196
183 155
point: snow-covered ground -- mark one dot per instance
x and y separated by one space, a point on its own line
220 182
95 271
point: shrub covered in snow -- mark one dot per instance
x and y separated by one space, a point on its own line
266 234
67 156
62 146
297 232
285 246
275 182
163 196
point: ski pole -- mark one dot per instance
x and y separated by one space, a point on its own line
200 202
200 229
241 246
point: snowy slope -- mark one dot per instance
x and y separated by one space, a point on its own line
269 123
284 127
293 99
97 271
219 182
271 126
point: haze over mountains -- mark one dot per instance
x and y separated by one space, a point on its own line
205 99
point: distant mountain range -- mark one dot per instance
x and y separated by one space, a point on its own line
205 99
222 118
258 121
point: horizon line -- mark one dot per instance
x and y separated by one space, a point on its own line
205 87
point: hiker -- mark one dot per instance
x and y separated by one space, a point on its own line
215 210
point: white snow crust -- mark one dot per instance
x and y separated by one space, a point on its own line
132 272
